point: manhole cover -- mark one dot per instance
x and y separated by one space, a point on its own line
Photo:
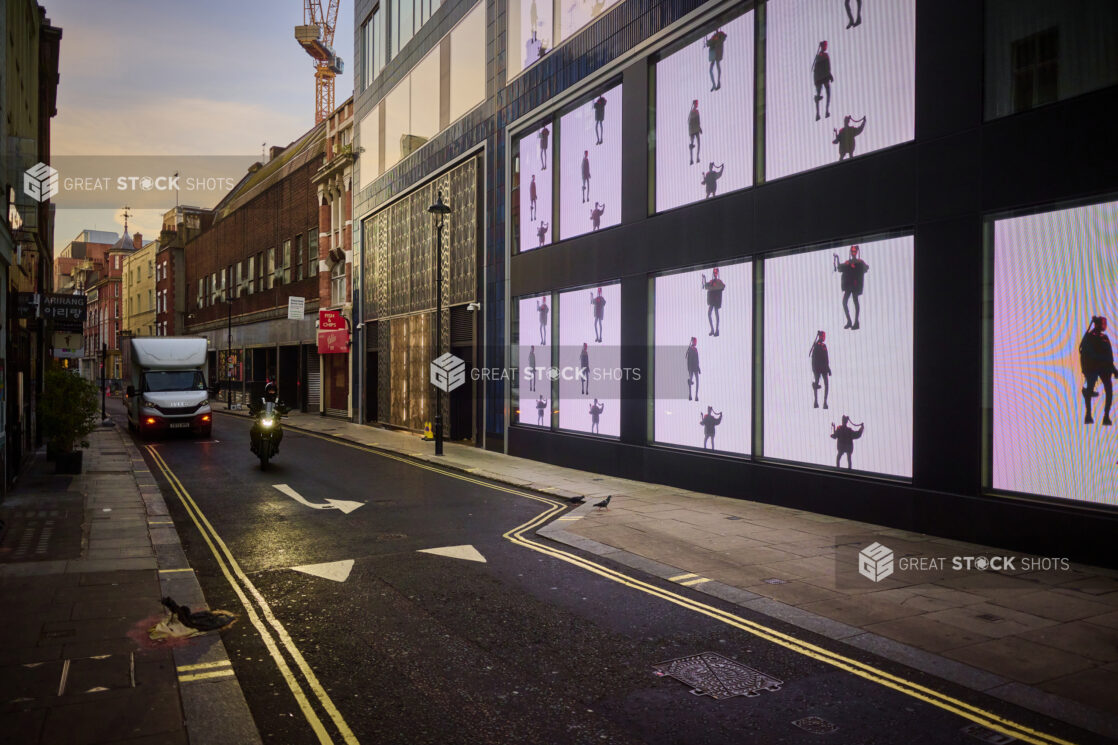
985 734
816 725
711 674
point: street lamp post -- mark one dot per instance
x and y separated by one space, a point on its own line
104 354
440 210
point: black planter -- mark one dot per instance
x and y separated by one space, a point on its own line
68 462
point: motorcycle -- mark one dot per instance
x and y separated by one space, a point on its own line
267 432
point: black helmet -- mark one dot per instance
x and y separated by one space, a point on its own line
270 391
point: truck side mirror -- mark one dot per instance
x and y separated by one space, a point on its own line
130 391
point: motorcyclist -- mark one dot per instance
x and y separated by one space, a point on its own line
271 394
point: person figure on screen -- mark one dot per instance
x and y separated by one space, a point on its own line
714 53
596 410
691 356
534 14
597 8
845 435
710 179
821 74
844 137
853 273
541 231
851 23
596 215
532 197
585 176
694 132
584 369
599 117
714 290
1096 359
545 134
532 369
541 407
599 304
820 368
541 307
709 421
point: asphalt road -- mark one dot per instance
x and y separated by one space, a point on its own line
527 647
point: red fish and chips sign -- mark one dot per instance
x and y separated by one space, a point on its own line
333 336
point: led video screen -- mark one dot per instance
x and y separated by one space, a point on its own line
838 357
703 351
704 116
534 359
590 170
590 360
840 81
1053 358
535 188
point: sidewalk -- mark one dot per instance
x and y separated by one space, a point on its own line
1045 640
84 562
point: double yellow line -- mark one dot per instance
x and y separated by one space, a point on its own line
869 672
241 584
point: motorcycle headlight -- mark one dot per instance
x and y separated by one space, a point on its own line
266 422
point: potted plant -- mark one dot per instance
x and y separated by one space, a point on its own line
67 413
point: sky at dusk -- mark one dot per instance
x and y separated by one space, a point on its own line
158 77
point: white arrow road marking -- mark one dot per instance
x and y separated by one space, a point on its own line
331 504
469 553
335 570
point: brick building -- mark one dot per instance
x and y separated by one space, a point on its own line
334 184
104 309
180 226
261 249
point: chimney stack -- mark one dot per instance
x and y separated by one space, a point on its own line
137 240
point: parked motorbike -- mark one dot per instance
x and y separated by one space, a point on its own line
267 432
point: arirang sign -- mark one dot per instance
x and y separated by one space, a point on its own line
64 309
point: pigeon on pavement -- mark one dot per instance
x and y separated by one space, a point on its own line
604 504
577 499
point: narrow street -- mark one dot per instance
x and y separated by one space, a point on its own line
512 640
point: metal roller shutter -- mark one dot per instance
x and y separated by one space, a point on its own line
314 381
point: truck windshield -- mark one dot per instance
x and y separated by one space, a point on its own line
159 381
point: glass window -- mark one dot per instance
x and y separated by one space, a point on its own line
838 356
270 277
297 257
1051 356
369 157
283 271
703 342
380 48
590 345
838 86
467 63
250 275
590 165
312 252
239 282
397 110
533 170
337 283
704 113
424 121
532 387
1040 52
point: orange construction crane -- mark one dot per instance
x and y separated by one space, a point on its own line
316 36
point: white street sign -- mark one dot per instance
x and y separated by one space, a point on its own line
331 504
295 307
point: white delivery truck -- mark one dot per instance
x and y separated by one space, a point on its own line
166 385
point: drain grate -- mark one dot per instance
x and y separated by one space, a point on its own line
390 536
775 581
711 674
816 725
985 734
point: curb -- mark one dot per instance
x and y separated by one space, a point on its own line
213 704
